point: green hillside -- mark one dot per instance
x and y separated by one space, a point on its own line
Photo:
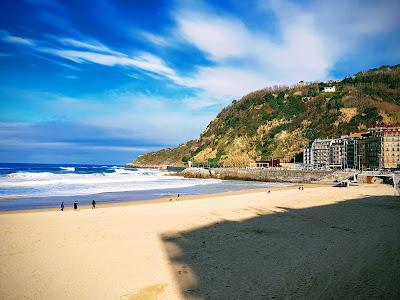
277 122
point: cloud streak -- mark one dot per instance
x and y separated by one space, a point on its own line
88 45
13 39
91 51
145 61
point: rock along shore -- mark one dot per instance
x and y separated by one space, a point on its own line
267 175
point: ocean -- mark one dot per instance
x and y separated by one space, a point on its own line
36 186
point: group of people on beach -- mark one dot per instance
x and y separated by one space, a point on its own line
76 205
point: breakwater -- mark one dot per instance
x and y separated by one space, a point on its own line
267 175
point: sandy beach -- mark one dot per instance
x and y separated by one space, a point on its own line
323 242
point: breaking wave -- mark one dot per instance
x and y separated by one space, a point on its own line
69 181
69 169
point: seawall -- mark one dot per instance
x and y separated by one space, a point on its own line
267 175
163 167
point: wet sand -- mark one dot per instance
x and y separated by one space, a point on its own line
160 200
323 242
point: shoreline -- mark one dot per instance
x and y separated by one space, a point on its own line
166 199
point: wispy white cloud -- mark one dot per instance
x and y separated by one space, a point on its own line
13 39
91 51
145 61
219 37
134 76
154 38
226 82
89 45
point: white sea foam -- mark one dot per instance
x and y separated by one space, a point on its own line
28 175
46 184
123 171
69 169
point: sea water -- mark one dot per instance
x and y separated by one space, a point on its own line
33 186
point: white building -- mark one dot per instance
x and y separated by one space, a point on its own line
323 153
307 157
320 152
330 89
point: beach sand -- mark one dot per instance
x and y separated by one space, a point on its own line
323 242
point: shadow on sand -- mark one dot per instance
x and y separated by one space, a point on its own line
348 250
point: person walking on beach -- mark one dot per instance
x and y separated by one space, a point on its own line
62 206
93 204
75 205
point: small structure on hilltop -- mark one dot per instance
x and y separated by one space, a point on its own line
329 89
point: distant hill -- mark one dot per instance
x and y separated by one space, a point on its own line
276 122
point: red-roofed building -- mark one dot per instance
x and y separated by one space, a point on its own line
358 134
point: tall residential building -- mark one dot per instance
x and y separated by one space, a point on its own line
307 157
391 148
350 153
337 153
383 148
361 154
354 145
320 153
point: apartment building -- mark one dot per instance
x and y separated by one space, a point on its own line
320 153
307 157
337 153
379 148
383 148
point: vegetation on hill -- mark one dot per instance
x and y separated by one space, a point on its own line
277 122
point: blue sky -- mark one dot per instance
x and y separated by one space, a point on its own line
104 81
